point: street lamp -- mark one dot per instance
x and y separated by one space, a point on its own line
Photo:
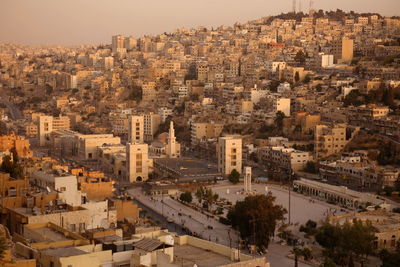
290 185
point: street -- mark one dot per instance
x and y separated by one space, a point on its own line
198 223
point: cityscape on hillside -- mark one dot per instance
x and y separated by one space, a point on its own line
270 143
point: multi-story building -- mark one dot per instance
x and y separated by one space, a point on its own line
164 113
332 139
203 131
229 154
151 124
47 124
287 159
343 50
137 162
136 129
117 42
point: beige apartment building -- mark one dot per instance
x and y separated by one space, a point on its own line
149 91
229 154
137 162
151 124
288 159
331 139
136 129
86 146
343 50
47 124
204 130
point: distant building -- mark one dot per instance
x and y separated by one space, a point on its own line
136 129
343 50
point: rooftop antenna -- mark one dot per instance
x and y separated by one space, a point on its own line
300 5
294 6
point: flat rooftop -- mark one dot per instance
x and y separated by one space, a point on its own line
63 252
187 256
50 234
188 168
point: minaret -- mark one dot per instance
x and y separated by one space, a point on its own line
171 145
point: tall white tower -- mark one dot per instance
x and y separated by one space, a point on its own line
247 179
173 148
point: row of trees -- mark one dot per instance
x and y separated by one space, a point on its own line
207 197
344 243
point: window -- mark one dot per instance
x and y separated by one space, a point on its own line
62 189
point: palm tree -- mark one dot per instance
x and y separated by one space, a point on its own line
200 193
297 252
210 198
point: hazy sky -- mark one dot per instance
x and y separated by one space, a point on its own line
70 22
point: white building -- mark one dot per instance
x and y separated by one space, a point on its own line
173 148
164 113
326 60
65 184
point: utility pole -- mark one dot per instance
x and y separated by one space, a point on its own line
290 185
294 6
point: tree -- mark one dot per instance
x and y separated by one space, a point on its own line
234 176
297 77
273 86
279 120
310 167
307 79
297 253
210 197
12 167
186 197
200 192
3 246
390 259
300 57
256 218
388 190
342 242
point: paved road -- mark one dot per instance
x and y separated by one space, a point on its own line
198 223
15 113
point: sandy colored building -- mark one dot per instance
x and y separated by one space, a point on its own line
203 131
343 50
17 143
137 162
136 129
386 223
229 153
288 159
331 139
